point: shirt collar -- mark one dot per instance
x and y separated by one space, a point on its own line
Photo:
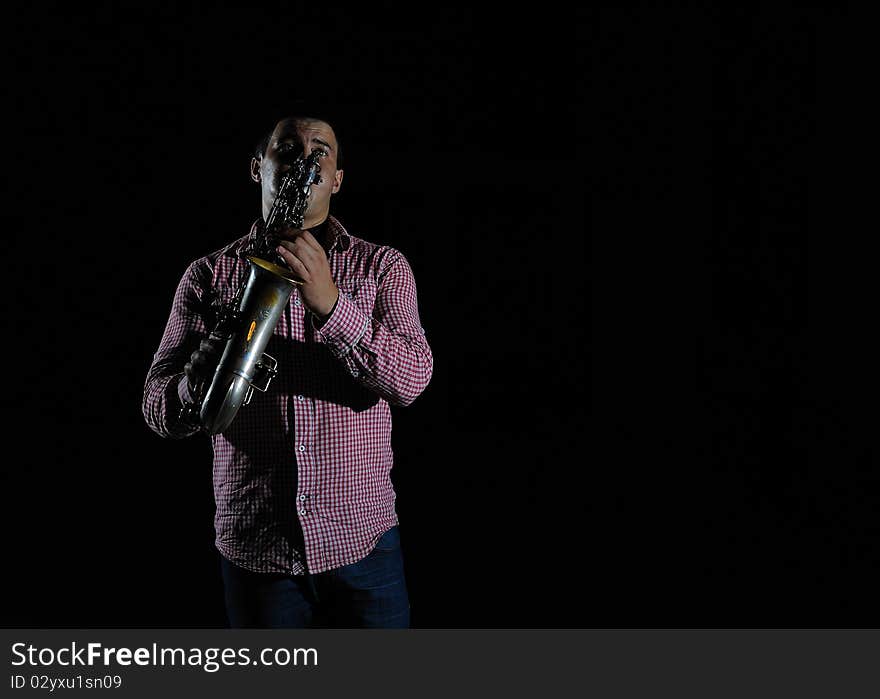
336 233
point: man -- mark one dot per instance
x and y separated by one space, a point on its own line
305 521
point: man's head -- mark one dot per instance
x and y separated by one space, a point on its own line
279 149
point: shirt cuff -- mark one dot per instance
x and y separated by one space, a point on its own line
344 327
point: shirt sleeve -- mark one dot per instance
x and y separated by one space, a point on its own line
166 386
388 351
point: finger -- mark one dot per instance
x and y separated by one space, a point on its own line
290 233
302 236
193 377
311 241
299 248
193 373
295 263
313 259
209 346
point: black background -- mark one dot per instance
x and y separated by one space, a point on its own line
714 470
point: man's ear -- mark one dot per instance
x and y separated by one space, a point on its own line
337 182
255 170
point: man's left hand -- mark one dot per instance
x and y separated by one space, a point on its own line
306 258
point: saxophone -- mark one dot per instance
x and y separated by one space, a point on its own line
247 322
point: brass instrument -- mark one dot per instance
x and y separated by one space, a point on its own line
248 321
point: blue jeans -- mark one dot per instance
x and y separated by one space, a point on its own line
370 593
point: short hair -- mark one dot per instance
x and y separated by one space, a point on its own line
300 115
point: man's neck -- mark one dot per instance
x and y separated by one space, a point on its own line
320 231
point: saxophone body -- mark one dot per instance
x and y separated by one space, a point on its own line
247 322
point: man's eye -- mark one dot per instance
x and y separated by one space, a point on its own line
320 151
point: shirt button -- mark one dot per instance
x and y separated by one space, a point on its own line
302 497
302 512
355 373
297 302
302 447
301 397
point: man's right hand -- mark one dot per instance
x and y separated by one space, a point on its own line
203 362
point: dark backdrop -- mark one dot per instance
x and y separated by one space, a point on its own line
712 471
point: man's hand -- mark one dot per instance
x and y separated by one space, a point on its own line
202 363
306 258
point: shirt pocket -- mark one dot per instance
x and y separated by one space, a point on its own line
361 291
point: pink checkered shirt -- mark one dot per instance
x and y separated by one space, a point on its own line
302 475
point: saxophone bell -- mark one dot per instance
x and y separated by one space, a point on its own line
244 365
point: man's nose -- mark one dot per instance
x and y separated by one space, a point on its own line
291 155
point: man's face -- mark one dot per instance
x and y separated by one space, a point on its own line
289 141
